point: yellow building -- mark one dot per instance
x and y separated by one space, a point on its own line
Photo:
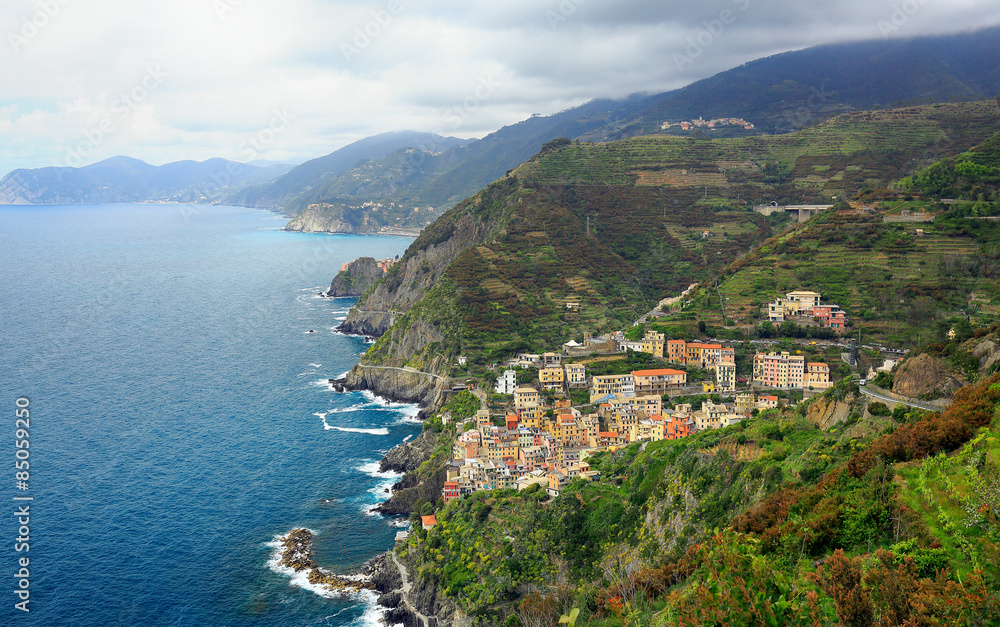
653 343
817 376
725 377
575 375
524 396
623 384
552 378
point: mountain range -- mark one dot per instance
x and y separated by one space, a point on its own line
393 173
127 180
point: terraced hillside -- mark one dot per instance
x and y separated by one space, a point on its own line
893 283
840 157
618 226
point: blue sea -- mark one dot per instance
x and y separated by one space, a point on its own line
180 417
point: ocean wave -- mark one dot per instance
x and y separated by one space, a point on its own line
341 318
336 332
383 489
384 402
381 431
373 470
323 414
374 613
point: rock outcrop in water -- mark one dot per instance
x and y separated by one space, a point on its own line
298 555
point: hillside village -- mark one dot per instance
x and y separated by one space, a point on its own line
536 441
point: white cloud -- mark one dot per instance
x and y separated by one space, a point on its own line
349 69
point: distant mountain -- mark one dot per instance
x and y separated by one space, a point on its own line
302 184
788 91
777 94
124 179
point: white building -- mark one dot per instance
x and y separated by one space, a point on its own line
506 383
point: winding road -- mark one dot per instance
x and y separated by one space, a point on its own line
901 400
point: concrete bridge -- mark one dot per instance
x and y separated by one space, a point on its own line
803 212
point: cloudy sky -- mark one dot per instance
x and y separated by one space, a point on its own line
288 80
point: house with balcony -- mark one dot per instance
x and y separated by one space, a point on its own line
658 381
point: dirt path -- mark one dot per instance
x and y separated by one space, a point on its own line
406 589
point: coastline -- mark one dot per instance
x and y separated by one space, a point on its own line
383 575
408 233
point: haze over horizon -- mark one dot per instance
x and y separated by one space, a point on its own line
293 80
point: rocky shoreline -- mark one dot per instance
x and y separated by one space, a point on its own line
381 574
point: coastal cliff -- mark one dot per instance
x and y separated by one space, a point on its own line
412 311
329 218
357 279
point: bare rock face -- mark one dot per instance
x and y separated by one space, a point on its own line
828 413
409 280
360 275
330 218
926 376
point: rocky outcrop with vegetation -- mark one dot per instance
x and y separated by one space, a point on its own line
330 218
357 279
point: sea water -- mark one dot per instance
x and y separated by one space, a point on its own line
176 359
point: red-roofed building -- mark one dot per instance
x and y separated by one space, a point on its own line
658 381
611 438
428 522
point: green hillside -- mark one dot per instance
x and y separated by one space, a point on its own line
616 227
898 285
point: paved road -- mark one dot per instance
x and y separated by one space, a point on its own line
910 402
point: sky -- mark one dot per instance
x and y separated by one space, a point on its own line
290 80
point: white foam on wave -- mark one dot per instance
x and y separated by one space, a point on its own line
328 427
298 579
407 439
347 410
354 430
373 614
341 318
384 402
383 489
315 365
